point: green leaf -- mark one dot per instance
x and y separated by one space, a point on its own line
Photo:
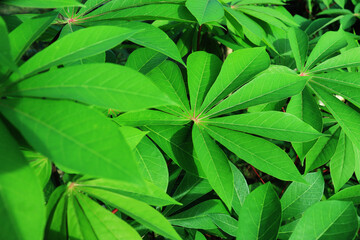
41 165
274 84
152 164
140 211
258 152
323 149
198 217
251 2
260 216
300 196
347 84
238 68
348 194
286 230
341 3
299 42
149 193
176 142
350 58
324 48
104 84
327 220
225 222
348 118
56 220
43 4
78 45
203 68
22 211
91 144
132 135
205 10
342 163
241 188
214 164
144 60
167 77
105 224
26 33
149 117
270 124
306 108
6 58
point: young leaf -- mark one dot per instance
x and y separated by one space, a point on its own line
203 69
274 84
324 48
260 216
258 152
26 33
205 10
152 164
104 84
91 145
138 210
348 118
342 164
300 196
21 198
327 220
270 124
299 42
238 68
78 45
214 164
43 4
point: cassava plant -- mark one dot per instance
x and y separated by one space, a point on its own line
179 119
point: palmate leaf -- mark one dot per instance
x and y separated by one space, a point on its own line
348 118
91 145
214 164
43 4
270 124
205 10
56 219
274 84
260 216
78 45
342 163
327 220
138 210
238 68
106 85
299 196
22 212
299 42
258 152
304 106
26 33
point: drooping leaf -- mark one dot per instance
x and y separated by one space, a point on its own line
324 48
238 68
43 4
106 85
270 124
22 211
258 152
203 69
327 220
299 43
92 144
205 10
78 45
300 196
26 33
138 210
342 163
214 164
260 216
274 84
152 164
